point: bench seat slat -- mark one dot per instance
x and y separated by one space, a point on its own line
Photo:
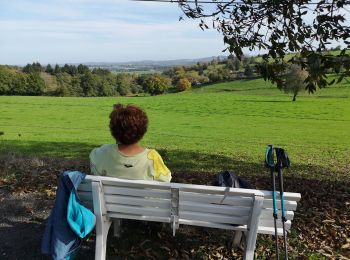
269 230
209 217
270 223
212 225
217 199
135 210
85 186
287 195
267 214
214 208
138 201
152 193
137 185
288 205
216 190
261 230
138 217
85 195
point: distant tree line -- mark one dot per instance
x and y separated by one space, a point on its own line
15 82
71 80
217 70
80 80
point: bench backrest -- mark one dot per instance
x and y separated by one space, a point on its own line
130 200
199 205
175 203
209 206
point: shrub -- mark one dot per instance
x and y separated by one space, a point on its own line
183 84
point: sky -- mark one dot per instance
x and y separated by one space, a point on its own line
74 31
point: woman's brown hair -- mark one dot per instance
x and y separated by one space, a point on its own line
128 124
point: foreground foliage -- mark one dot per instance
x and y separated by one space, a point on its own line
305 27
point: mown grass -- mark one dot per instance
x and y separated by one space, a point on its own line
233 120
221 126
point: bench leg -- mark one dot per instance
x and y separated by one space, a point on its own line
101 239
252 231
116 227
102 221
237 238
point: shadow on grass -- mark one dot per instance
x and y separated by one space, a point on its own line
262 101
238 90
176 159
42 148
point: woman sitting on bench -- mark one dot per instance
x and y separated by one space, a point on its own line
127 159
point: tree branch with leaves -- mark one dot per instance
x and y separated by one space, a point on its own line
277 27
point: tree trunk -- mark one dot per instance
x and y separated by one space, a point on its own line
295 97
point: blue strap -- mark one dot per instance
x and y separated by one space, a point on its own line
282 206
274 202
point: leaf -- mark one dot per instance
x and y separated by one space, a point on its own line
328 221
50 193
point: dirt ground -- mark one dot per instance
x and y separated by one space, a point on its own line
22 222
27 191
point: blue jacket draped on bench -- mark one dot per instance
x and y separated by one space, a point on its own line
69 220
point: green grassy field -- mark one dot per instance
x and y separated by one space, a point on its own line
209 128
216 127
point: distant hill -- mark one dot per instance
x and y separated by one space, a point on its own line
148 65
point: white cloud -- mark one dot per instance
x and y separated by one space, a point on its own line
109 28
86 9
105 30
109 40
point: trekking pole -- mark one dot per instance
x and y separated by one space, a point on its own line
282 162
269 162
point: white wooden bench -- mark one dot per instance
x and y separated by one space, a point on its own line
242 210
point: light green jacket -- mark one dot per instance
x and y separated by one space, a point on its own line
107 160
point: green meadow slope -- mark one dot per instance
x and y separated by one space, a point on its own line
200 132
209 128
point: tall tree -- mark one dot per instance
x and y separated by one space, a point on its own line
248 71
82 69
156 84
35 67
49 69
89 83
35 85
183 84
57 69
123 83
5 80
237 64
294 80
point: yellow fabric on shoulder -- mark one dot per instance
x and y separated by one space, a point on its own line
158 165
